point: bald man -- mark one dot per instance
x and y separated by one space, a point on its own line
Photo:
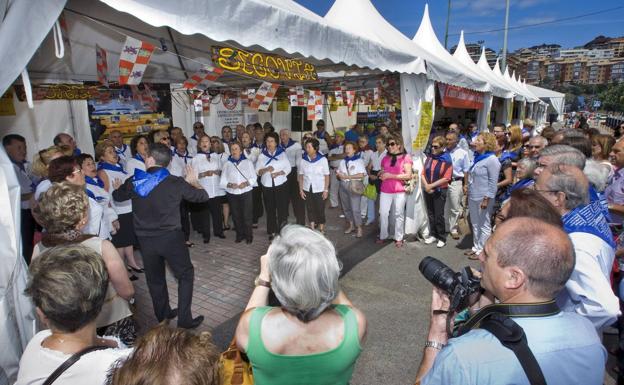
513 273
588 291
67 140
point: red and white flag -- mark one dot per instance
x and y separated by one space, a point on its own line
251 94
350 101
203 77
300 96
206 100
338 94
315 105
133 60
376 96
292 97
101 65
264 96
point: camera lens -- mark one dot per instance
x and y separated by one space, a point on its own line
438 274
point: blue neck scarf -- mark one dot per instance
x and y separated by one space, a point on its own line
290 143
237 161
144 182
522 183
601 199
318 157
480 157
507 155
94 181
434 173
351 158
278 151
111 167
205 153
77 151
588 219
320 134
91 195
185 156
225 141
444 156
139 157
121 151
473 135
194 136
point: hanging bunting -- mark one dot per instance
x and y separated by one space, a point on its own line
251 94
133 61
300 96
338 93
376 96
201 78
101 65
264 96
350 101
292 97
206 100
315 105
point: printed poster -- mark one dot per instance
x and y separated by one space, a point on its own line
424 128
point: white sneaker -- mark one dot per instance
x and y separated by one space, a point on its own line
341 216
440 244
429 240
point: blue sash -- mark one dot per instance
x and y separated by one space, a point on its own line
290 143
588 219
111 167
600 198
319 156
320 135
144 182
122 151
94 181
237 162
278 151
139 157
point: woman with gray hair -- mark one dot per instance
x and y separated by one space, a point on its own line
68 285
524 177
314 337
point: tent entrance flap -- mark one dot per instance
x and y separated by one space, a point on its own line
457 97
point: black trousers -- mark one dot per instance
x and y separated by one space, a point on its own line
213 208
297 203
276 204
241 211
435 212
315 206
258 208
184 218
169 248
28 232
195 211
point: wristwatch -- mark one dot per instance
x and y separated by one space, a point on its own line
434 344
261 282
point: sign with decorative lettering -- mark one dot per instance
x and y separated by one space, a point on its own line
61 91
263 66
458 97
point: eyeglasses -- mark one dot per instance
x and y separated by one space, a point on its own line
435 147
77 171
392 144
533 147
546 191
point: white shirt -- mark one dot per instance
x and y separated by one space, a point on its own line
281 164
588 291
252 154
376 158
119 207
124 153
461 162
335 151
192 145
37 363
26 181
244 172
132 164
293 152
313 174
226 146
96 224
355 167
212 184
366 156
103 198
178 163
42 187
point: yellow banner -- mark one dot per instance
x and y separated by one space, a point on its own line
263 66
424 129
282 105
7 108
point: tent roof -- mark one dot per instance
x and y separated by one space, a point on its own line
499 89
543 92
454 71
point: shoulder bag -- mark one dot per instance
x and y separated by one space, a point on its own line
69 362
356 186
234 367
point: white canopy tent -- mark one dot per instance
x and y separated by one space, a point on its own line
555 99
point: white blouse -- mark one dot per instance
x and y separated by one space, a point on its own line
336 151
355 167
124 154
281 164
313 174
212 184
42 187
252 154
178 163
119 207
244 172
376 158
132 164
293 152
103 198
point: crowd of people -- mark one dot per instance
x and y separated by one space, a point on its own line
544 209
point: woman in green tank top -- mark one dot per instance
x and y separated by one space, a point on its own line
315 336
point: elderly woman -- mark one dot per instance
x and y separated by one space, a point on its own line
436 176
601 148
138 147
237 179
110 172
314 183
314 337
396 168
165 353
41 162
219 149
526 202
252 151
63 210
69 285
208 165
350 171
273 167
482 179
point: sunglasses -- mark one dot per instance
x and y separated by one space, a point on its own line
435 147
533 147
392 144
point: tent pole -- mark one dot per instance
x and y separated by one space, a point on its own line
448 18
175 48
504 60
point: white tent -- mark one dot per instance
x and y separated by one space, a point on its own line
555 99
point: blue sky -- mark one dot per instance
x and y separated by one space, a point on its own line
484 15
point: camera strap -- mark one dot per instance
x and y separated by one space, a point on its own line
496 320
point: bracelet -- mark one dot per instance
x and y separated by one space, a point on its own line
434 344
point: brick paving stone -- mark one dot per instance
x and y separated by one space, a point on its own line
224 274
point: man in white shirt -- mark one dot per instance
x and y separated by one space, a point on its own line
121 149
588 291
15 147
293 153
461 165
335 155
198 132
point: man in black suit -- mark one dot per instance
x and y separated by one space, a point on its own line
156 197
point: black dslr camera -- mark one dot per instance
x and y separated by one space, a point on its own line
459 286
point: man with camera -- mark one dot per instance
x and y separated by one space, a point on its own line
522 339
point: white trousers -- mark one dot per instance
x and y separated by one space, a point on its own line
385 203
453 206
334 187
481 221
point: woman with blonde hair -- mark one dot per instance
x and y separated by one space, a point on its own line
41 162
481 190
514 143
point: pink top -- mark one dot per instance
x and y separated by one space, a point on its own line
391 186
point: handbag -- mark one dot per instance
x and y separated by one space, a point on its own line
370 192
356 186
410 185
234 367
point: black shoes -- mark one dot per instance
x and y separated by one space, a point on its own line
136 270
194 323
133 277
172 314
238 240
249 240
222 236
